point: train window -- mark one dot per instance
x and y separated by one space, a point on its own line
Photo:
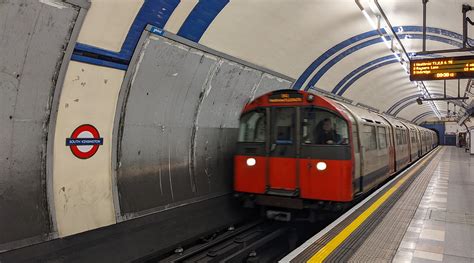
370 139
355 138
252 127
398 136
323 127
283 122
382 137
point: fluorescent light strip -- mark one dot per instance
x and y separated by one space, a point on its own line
420 85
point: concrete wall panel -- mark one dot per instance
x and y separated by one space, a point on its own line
32 44
180 124
83 187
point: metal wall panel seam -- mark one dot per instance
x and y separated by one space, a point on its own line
54 114
187 42
117 130
201 18
205 89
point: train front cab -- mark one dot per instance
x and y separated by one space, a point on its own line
280 152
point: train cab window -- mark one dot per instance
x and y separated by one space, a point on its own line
382 137
252 127
323 127
370 139
283 125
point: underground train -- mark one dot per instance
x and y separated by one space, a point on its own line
299 150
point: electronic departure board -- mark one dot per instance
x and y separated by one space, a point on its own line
442 68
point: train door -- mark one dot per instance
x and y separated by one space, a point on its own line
282 163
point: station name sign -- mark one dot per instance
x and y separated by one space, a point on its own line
442 68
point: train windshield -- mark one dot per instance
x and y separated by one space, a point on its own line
323 127
252 127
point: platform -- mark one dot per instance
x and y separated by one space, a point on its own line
425 214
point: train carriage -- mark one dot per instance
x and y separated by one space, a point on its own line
295 148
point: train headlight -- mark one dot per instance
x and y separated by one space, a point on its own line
321 166
251 161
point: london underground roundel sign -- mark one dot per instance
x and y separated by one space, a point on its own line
85 141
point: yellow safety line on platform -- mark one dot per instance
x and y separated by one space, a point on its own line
324 252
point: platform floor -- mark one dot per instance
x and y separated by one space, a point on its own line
425 215
443 226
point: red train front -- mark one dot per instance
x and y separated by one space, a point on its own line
294 148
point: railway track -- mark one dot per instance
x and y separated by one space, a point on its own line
258 241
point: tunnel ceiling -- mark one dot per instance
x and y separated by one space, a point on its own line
327 44
332 46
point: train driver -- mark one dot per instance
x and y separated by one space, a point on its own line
325 133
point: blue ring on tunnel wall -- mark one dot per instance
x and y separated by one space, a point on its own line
359 69
365 72
408 101
154 12
405 99
396 104
201 18
357 47
425 114
305 75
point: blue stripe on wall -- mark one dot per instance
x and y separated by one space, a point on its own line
98 62
359 69
425 114
154 12
305 75
368 64
365 72
200 18
396 104
357 47
407 102
300 81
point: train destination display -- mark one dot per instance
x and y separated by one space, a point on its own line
442 68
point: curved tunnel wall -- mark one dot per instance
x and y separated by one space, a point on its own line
32 34
180 123
176 110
